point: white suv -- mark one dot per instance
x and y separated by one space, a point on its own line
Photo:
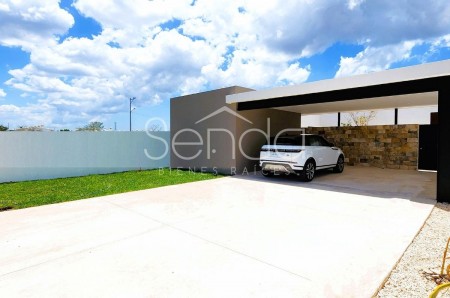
301 154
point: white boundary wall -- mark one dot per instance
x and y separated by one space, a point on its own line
44 155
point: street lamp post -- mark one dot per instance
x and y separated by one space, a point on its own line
131 110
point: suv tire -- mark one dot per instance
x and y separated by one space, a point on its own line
339 168
309 171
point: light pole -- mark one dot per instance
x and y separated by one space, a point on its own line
131 110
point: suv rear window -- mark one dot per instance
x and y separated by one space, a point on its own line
310 140
288 141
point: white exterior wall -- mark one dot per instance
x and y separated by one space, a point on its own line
44 155
409 115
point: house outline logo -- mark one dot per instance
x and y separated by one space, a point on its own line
221 110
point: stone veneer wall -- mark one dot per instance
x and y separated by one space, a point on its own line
384 146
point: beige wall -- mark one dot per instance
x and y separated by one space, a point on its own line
185 111
252 141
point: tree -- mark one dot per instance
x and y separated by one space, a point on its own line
3 128
92 126
32 128
360 118
154 127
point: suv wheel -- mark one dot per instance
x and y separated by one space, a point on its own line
309 171
339 168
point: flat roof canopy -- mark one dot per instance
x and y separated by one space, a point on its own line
403 87
409 86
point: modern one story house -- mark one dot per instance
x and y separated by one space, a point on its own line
222 130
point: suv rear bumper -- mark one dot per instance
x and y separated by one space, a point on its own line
280 167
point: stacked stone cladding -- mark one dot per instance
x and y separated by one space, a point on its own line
384 146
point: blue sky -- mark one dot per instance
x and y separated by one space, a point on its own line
66 63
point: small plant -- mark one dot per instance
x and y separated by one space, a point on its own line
360 118
443 262
444 275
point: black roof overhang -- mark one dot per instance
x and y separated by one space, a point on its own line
391 89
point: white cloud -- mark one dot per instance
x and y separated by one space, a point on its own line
2 93
308 27
254 43
136 14
32 23
441 42
375 59
352 4
294 27
295 74
88 76
27 116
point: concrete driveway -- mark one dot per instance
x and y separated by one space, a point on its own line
246 236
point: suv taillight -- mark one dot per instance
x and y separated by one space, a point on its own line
282 150
290 150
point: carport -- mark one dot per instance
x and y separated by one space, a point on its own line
427 84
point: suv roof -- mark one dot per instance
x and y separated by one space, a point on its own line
294 140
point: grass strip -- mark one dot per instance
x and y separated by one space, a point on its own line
17 195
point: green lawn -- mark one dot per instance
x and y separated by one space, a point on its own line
17 195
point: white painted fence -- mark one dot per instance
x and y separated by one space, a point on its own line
44 155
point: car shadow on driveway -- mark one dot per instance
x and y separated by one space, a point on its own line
385 183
